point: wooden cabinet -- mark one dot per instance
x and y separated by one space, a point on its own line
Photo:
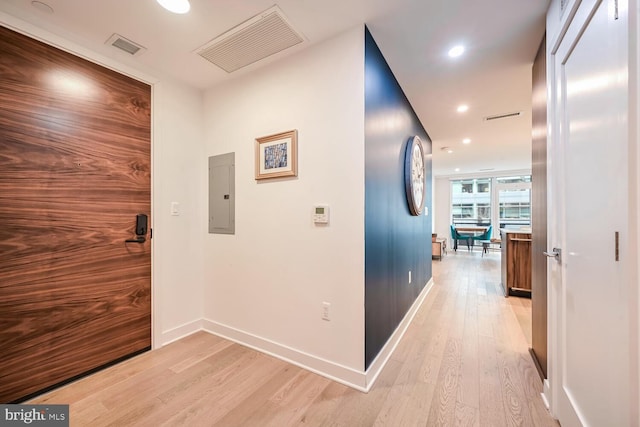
516 262
438 247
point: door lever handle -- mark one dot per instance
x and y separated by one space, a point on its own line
555 253
140 239
141 229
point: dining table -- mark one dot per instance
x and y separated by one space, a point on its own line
469 231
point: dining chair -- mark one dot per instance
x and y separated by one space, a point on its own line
484 236
483 239
455 236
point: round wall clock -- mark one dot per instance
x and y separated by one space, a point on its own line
414 175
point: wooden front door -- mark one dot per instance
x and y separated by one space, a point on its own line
74 172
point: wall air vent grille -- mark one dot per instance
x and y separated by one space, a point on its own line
261 36
502 116
126 45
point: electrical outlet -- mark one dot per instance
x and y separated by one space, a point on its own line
326 311
409 276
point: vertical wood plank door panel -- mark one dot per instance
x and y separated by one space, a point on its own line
75 146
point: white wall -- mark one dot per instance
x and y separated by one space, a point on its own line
442 208
265 285
177 240
177 130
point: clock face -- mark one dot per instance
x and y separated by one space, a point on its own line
414 175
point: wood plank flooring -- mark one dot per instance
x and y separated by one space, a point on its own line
463 362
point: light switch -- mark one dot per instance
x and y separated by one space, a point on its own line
175 208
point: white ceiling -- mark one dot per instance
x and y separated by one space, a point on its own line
493 77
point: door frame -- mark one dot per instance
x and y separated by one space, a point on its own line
46 37
555 212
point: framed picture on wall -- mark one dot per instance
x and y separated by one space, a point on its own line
277 155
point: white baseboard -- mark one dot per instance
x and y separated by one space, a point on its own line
383 356
353 378
335 372
546 393
180 332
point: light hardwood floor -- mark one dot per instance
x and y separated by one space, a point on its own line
463 362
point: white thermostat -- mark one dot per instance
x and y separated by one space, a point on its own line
321 214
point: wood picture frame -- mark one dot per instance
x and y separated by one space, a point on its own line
277 155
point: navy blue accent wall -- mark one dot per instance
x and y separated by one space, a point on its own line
395 241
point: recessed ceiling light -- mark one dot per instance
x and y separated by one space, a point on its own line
42 7
175 6
466 141
449 151
462 108
456 51
457 169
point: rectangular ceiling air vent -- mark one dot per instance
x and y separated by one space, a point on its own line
126 45
261 36
502 116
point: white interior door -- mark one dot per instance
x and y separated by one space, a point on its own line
591 66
